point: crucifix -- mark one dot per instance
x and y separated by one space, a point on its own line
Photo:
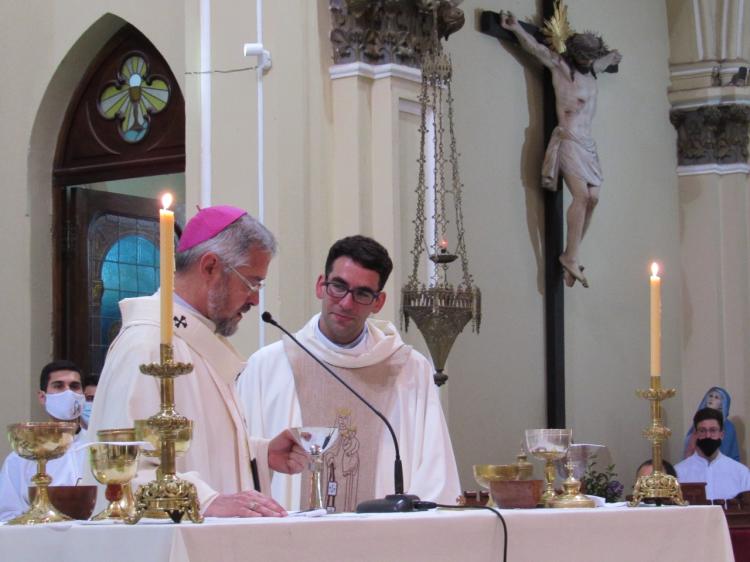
572 61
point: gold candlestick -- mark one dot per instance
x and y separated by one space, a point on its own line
167 493
657 486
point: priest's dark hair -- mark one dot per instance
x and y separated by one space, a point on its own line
57 365
364 251
667 467
708 414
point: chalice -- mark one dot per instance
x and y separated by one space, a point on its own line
41 442
574 465
316 441
144 432
485 474
548 445
114 464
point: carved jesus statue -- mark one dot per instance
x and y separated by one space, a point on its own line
574 61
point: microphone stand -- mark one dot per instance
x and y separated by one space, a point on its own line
392 502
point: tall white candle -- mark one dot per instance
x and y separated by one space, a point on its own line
655 321
166 265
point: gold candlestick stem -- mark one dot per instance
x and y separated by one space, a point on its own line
167 493
657 486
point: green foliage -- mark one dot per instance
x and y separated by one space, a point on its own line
602 484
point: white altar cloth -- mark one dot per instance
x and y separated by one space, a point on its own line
613 534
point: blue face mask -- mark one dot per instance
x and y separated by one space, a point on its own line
86 412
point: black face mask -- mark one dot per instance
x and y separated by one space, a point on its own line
708 446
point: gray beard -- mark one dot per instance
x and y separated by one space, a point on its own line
217 299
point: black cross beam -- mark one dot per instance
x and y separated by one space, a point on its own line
554 297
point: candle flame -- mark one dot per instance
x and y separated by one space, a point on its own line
654 269
166 200
443 244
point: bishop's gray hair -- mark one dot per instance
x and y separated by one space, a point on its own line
231 245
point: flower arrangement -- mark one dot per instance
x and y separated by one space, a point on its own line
602 484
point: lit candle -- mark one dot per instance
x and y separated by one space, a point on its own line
443 244
166 264
655 321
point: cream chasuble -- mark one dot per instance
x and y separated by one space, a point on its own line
349 465
272 402
218 460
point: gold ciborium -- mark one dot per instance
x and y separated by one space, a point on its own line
485 474
144 432
548 445
115 464
41 442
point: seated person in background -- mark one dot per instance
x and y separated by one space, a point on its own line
61 394
647 468
724 477
282 386
718 399
89 391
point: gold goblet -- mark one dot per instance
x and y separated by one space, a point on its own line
41 441
485 474
115 465
144 432
548 445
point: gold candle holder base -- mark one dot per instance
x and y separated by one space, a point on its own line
657 486
168 493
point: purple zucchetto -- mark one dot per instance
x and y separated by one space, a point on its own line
206 224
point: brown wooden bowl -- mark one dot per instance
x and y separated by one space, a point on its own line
517 493
74 501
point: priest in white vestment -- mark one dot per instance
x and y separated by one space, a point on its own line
283 387
221 263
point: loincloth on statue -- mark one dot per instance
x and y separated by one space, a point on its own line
573 155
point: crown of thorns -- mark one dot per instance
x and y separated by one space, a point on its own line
588 45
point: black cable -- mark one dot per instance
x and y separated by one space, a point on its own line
425 505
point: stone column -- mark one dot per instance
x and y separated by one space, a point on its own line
710 101
377 47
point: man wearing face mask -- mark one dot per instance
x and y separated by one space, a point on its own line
724 477
89 391
61 394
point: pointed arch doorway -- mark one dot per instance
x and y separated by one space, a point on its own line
121 145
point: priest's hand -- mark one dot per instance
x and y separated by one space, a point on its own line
244 504
285 455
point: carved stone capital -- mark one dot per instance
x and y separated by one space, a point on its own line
712 134
388 31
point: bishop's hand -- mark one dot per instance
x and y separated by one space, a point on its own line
285 455
248 503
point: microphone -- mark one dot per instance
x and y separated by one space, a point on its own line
392 502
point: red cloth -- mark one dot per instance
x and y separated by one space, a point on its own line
740 543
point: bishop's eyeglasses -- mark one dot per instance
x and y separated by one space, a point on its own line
253 286
361 295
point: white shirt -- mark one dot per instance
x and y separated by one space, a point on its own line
724 477
16 474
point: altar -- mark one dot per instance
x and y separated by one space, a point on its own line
618 533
